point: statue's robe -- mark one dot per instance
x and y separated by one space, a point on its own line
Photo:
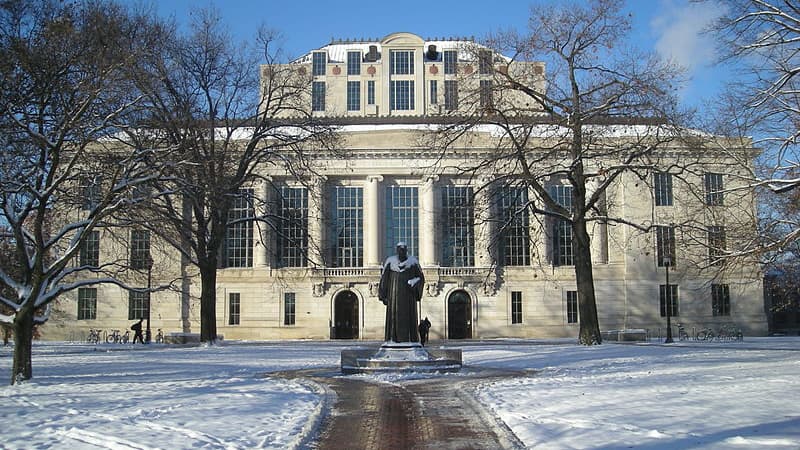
401 297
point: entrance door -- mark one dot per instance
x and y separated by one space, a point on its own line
459 316
345 316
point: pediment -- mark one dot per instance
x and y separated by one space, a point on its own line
402 39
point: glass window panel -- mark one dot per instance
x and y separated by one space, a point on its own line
349 226
87 303
515 231
293 227
353 95
354 63
458 227
402 220
239 233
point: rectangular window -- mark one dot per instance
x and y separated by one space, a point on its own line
288 308
137 305
402 219
714 189
516 307
486 93
515 226
401 95
716 244
668 295
318 96
662 188
353 95
434 92
665 246
234 308
370 92
90 250
401 62
458 226
354 63
563 249
318 62
239 233
87 303
90 192
349 226
140 249
720 300
450 95
485 62
293 227
450 62
572 306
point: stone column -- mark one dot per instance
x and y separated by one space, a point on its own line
316 221
484 224
372 221
261 230
427 222
598 231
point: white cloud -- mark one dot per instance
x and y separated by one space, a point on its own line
679 25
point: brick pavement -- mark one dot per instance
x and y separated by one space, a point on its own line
435 412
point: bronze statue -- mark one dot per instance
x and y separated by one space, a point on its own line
400 289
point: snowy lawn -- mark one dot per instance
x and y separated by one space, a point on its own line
685 395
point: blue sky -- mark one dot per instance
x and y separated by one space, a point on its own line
670 27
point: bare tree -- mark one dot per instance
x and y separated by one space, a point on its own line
569 132
64 93
206 99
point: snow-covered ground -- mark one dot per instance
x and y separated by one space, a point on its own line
649 396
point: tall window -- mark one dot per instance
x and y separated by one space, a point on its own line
354 63
353 95
572 306
485 62
563 252
450 61
662 188
668 295
87 303
714 189
318 96
349 226
402 219
140 249
720 300
515 231
665 246
370 92
434 92
234 308
137 305
239 233
486 93
716 244
293 227
401 95
450 95
401 62
516 307
90 250
288 308
318 61
457 215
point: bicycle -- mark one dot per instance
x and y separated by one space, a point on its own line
705 334
682 334
94 336
115 337
160 337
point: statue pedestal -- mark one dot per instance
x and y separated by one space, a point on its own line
400 357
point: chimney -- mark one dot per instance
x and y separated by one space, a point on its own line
432 54
372 56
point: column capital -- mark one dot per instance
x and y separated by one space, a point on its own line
374 178
430 179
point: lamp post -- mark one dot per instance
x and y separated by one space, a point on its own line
149 262
667 300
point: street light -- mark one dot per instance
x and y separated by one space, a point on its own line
667 300
149 265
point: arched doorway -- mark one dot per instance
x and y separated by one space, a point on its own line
345 316
459 315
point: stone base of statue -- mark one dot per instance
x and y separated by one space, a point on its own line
400 357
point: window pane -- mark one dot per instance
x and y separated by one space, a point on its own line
349 226
458 227
450 95
668 293
402 62
515 227
486 93
662 186
665 246
87 303
140 249
319 59
720 300
714 189
716 244
239 235
354 63
293 227
434 92
288 308
90 251
516 307
572 306
450 62
137 305
353 95
563 249
402 219
401 95
234 308
318 96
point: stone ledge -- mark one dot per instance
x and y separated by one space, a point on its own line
400 358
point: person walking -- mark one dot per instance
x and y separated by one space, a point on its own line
423 328
137 331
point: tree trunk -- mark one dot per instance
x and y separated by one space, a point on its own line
23 342
587 304
208 301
